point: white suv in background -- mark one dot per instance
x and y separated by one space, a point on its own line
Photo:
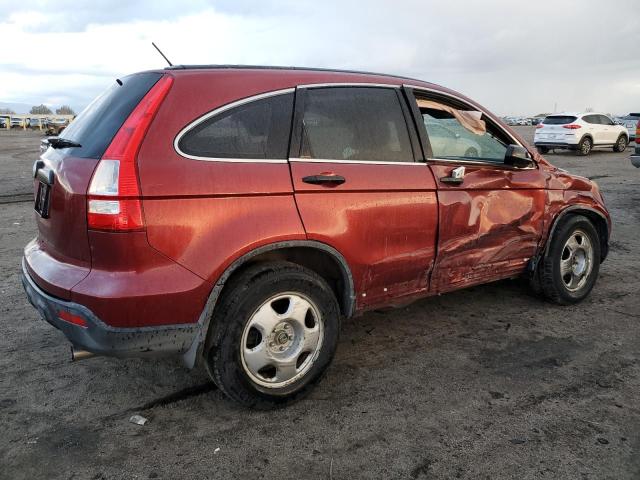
581 132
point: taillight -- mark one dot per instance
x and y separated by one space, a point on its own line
540 125
638 133
572 126
113 200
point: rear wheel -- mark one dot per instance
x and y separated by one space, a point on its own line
274 335
585 146
570 267
621 144
543 150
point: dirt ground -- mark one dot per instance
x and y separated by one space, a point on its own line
489 382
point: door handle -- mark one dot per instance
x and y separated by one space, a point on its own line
324 178
456 177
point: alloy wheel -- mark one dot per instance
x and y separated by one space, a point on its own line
576 261
282 340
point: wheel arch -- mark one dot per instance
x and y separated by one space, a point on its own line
597 218
319 257
307 253
586 135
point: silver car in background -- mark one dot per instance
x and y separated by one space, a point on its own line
630 122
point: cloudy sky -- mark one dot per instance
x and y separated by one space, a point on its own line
515 57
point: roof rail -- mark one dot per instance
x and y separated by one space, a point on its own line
280 67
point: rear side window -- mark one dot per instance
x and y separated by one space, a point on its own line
559 120
255 130
592 119
354 123
96 126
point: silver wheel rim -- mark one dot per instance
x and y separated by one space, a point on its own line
576 261
282 340
586 146
622 144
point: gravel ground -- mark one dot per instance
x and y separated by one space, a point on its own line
489 382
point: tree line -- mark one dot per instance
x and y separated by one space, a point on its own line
42 110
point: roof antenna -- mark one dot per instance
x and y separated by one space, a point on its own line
163 55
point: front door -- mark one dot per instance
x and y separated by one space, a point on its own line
362 187
491 217
610 131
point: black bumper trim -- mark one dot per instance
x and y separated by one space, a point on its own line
100 338
568 146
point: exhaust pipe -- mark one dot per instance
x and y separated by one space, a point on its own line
77 355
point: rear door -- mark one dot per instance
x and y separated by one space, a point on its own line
361 186
491 220
60 257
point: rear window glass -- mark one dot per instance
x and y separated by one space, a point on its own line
559 120
96 126
355 124
258 129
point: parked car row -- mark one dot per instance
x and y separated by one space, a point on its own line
520 121
53 126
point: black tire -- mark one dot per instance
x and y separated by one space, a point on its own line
543 150
621 144
553 285
585 146
244 295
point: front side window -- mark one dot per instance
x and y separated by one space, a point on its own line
255 130
354 123
461 134
604 120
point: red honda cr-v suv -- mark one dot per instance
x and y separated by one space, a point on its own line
235 214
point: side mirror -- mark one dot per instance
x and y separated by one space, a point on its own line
518 157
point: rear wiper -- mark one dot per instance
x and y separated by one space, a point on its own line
57 142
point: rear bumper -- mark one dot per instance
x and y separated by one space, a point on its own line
568 146
635 159
88 332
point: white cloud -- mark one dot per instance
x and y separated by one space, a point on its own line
515 57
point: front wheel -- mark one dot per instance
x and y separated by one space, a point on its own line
570 267
273 335
621 144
